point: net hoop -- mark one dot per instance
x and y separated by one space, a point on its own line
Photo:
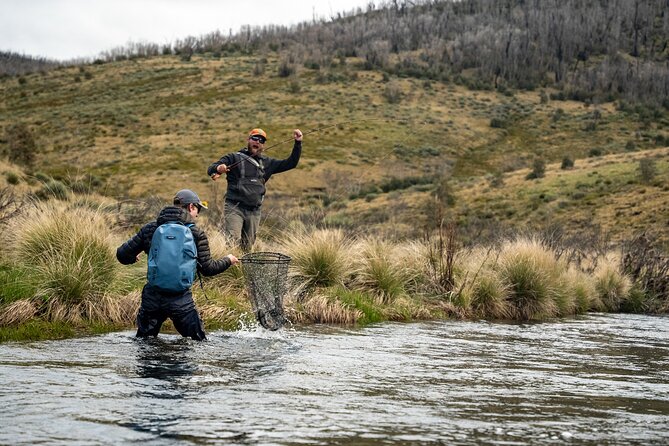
265 258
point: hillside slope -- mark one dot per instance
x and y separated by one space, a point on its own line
378 148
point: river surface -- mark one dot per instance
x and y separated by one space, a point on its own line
600 380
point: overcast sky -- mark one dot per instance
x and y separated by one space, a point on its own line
67 29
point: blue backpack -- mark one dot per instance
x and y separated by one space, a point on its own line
173 257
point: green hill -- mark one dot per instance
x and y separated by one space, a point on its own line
378 148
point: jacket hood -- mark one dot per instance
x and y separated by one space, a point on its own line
174 213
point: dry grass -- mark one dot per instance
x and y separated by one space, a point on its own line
582 287
320 259
532 273
611 284
18 312
321 309
380 270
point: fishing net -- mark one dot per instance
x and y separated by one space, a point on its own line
267 279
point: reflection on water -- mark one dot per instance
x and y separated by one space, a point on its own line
600 379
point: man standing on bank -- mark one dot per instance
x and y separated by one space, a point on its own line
247 172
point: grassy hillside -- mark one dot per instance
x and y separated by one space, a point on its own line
145 127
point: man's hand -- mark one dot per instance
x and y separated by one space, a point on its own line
234 260
297 134
220 169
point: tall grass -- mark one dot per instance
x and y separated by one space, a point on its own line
611 284
490 297
60 267
69 255
321 259
380 270
533 275
582 287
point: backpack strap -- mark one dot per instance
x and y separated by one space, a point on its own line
199 276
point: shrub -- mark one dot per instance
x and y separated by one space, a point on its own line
294 86
498 123
567 163
286 69
258 69
647 265
543 97
12 178
392 92
538 170
647 169
595 151
21 146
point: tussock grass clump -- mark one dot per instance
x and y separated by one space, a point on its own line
582 288
490 297
480 291
612 286
380 270
533 275
320 259
69 256
223 310
405 308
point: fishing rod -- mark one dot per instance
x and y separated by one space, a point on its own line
316 130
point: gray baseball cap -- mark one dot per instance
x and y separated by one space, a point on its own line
185 196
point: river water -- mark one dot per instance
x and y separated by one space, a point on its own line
600 379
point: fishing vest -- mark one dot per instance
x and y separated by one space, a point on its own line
250 186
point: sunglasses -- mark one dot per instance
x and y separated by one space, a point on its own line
199 206
259 139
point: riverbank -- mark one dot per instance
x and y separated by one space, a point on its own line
60 278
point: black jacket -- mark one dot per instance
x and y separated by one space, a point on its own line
251 196
127 253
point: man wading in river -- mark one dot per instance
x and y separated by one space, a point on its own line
247 172
177 249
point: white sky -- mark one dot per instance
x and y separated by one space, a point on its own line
67 29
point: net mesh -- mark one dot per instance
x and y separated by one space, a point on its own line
267 279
